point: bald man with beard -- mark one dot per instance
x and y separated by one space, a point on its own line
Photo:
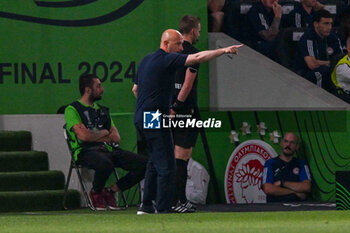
154 88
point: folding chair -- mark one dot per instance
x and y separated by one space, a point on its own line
77 167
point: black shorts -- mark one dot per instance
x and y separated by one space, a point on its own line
186 137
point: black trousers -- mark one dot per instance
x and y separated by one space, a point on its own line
319 76
160 174
103 162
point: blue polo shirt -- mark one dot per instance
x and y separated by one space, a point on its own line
257 20
276 169
299 18
155 80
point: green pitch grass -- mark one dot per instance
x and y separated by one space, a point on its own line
85 221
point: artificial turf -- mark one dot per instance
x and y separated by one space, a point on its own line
85 221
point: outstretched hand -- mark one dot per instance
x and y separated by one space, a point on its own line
232 49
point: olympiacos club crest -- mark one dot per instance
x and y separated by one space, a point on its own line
243 175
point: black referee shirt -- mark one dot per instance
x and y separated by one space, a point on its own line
180 75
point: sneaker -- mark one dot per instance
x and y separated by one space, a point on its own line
97 200
189 205
181 208
109 197
145 210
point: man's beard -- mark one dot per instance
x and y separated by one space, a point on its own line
94 98
288 154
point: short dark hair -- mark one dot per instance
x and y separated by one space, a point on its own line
322 14
187 23
86 80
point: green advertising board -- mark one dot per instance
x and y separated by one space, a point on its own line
48 44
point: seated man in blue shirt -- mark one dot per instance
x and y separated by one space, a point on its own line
286 178
262 26
314 51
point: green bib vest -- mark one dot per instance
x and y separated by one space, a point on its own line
93 119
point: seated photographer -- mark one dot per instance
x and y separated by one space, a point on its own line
95 142
286 178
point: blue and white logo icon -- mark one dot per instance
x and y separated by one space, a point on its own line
151 120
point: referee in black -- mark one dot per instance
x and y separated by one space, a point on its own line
185 103
154 90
